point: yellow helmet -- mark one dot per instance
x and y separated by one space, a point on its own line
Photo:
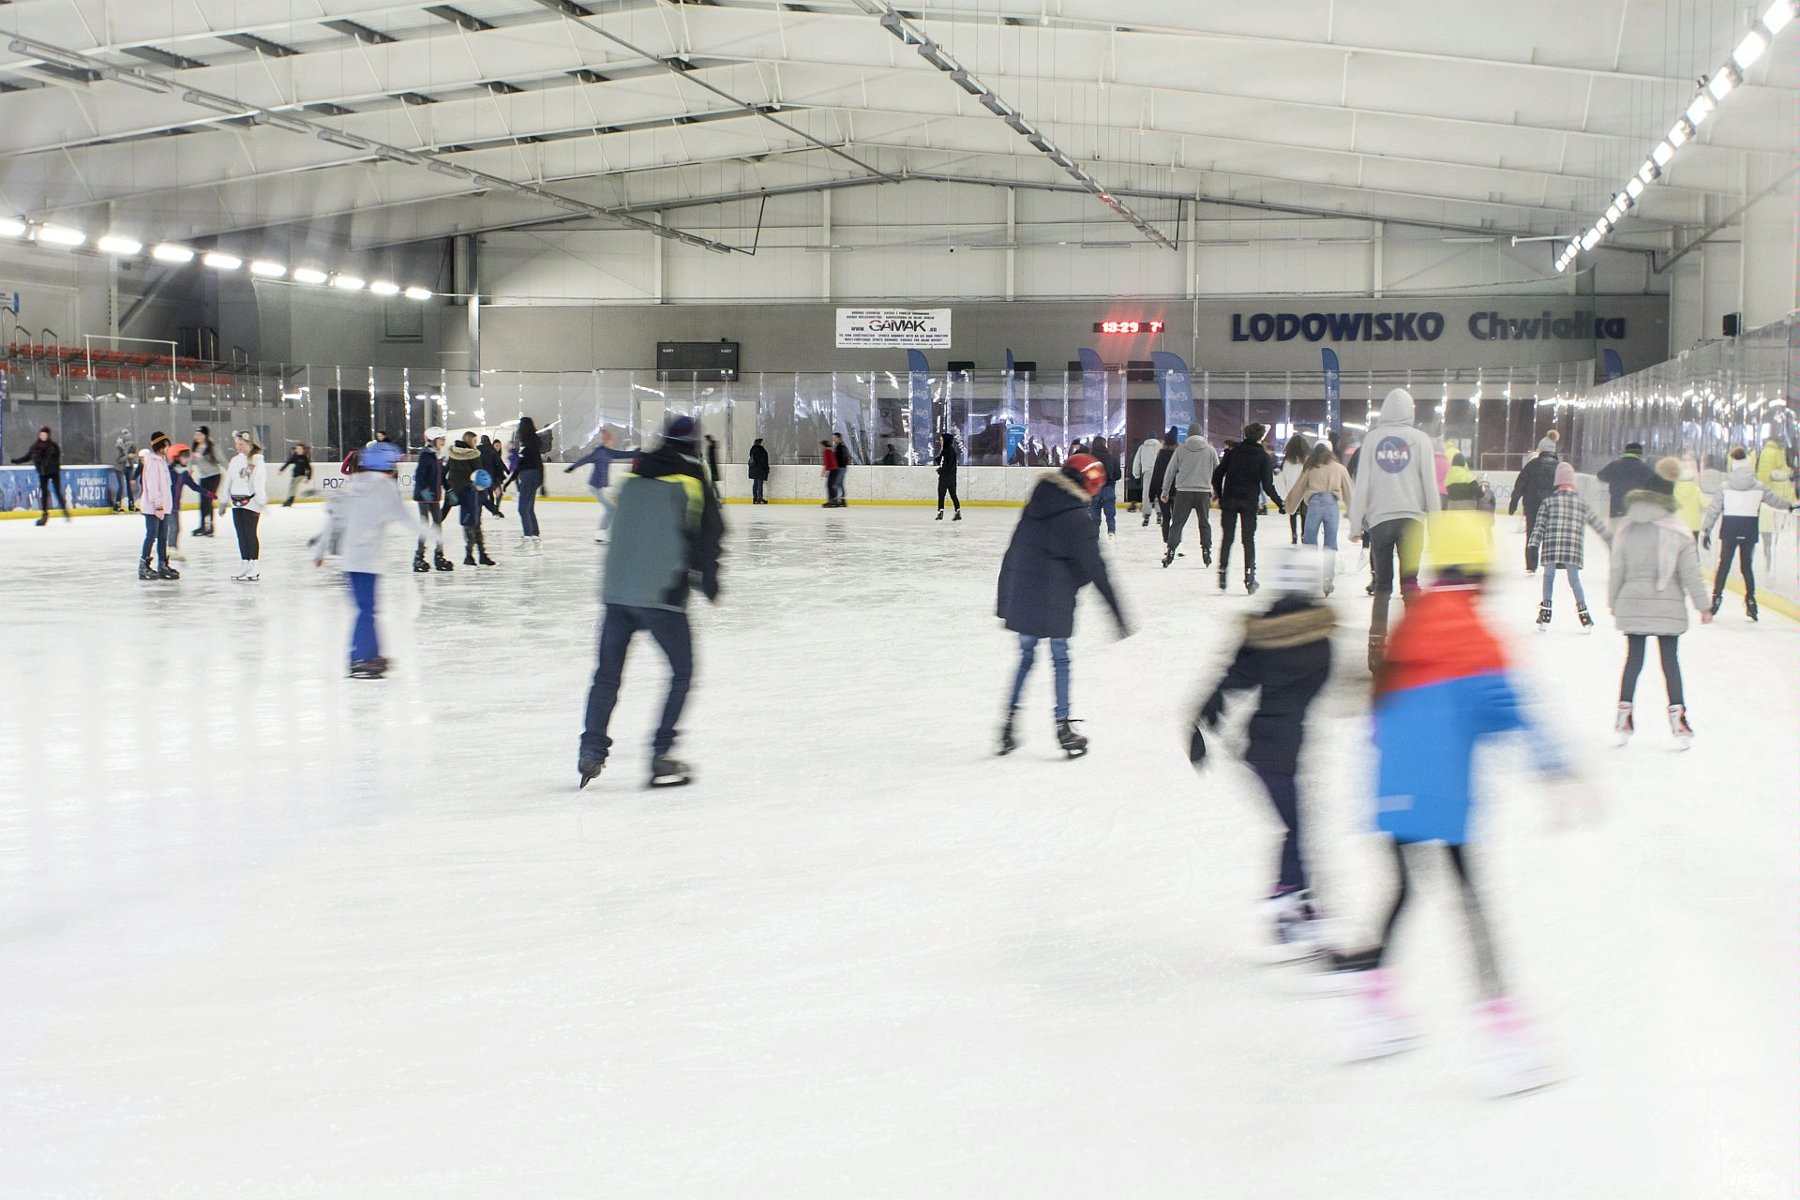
1459 540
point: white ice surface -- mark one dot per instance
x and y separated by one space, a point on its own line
268 932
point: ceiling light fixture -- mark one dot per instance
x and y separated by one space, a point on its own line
418 293
60 235
309 275
348 283
222 262
118 243
1778 16
1749 50
382 287
265 269
12 227
170 252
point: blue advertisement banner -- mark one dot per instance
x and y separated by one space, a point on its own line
1177 388
1010 395
1334 395
88 487
1615 366
1093 384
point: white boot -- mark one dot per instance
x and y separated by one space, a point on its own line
1513 1061
243 570
1679 727
1376 1028
252 571
1622 724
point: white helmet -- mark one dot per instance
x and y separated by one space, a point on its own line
1296 570
434 433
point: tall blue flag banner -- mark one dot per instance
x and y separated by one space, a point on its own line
924 420
1093 387
1615 366
1334 392
1177 389
1009 391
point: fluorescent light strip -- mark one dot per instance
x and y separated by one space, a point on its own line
11 227
347 283
169 252
382 287
309 275
60 235
222 262
418 293
115 243
265 269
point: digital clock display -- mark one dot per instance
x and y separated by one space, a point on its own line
1137 326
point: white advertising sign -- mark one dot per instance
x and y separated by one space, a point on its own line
913 327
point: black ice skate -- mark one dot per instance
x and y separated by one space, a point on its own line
1718 599
440 562
1221 577
589 769
1543 617
958 515
1168 557
481 554
1586 619
419 563
940 515
144 571
1073 744
1008 741
669 772
167 572
1250 584
368 668
1750 608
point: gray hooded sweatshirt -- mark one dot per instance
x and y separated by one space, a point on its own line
1396 475
1191 468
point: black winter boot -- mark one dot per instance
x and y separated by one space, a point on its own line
1008 741
1543 617
1073 744
481 554
1586 618
1250 581
1750 607
468 547
167 572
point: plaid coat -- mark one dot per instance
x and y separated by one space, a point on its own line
1558 532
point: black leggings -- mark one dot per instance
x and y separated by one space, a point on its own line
244 521
1285 796
1634 662
947 487
45 483
1230 519
1743 545
1481 942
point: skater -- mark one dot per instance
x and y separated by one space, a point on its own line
948 456
828 470
180 479
1052 556
428 499
1624 475
713 475
46 457
1159 481
1769 522
127 462
1293 463
1690 501
1320 495
759 472
356 519
840 452
1558 541
1535 482
666 538
158 509
1106 500
529 475
206 467
1444 688
1654 568
247 489
493 462
1187 487
465 482
600 459
1394 492
1285 656
1143 465
1734 509
890 457
299 463
1245 473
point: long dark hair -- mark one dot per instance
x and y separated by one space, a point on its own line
1296 450
527 434
1321 456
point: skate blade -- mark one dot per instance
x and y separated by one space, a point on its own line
1081 753
670 781
1377 1047
1501 1084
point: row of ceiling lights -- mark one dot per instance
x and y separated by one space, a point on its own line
174 254
1723 82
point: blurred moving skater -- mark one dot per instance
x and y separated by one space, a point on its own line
45 456
1654 568
1143 463
299 464
207 470
1320 495
356 519
1106 500
1444 688
600 459
1293 464
1558 540
1284 655
665 540
247 489
1395 490
948 456
1052 556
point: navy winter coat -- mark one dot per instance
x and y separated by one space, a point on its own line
1055 552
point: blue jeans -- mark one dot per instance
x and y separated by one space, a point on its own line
530 483
618 625
756 491
364 645
1321 516
1574 573
156 535
1059 661
1106 501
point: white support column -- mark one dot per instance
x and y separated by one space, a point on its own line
1378 260
825 231
1012 235
661 246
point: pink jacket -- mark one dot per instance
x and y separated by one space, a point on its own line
156 497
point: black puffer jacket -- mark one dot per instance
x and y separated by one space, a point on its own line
1055 552
45 455
1286 654
1160 471
1537 479
1244 474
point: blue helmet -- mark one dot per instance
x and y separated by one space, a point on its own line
482 479
378 456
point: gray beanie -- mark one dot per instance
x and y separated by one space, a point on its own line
1547 446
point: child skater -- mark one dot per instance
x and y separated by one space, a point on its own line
1655 574
356 519
1442 689
1558 540
1284 656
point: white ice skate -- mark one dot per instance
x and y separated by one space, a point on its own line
1512 1059
1622 725
1679 727
1298 929
1376 1029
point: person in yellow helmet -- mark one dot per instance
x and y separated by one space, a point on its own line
1690 501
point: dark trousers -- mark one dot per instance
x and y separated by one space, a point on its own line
1481 943
1635 645
177 484
209 488
947 487
1230 521
1176 525
1531 551
156 536
1742 543
530 484
244 521
1285 796
1106 505
1294 526
45 483
618 625
834 484
364 644
1399 540
756 492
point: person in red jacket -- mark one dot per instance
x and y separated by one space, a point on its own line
828 468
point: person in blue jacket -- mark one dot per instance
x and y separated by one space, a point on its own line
428 497
600 459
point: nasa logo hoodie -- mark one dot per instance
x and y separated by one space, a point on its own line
1397 476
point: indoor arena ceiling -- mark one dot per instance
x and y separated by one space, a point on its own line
414 120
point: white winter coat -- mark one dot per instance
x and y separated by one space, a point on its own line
247 476
1143 463
358 516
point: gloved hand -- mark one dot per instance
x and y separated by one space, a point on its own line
1706 541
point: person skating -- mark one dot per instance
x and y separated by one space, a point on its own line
206 467
1293 463
156 502
1690 501
890 457
1734 510
299 463
713 474
494 463
1105 505
666 538
1187 487
1624 475
1159 478
1320 495
1558 540
529 475
247 491
356 520
1053 554
127 459
180 479
1769 522
1284 655
840 454
948 456
828 471
599 461
428 500
45 456
1245 474
1535 482
1655 569
465 482
759 471
1143 466
1394 492
1444 688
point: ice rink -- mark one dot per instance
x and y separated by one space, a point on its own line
270 932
